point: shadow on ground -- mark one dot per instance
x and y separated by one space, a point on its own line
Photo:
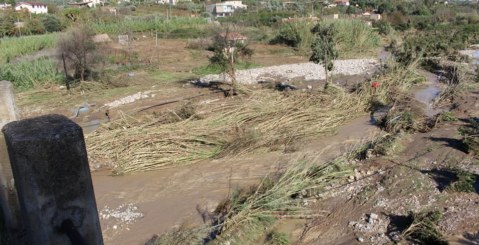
450 142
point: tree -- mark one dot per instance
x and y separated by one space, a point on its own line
352 10
229 48
323 48
51 23
7 26
76 47
34 27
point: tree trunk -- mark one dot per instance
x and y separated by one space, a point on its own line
67 80
326 85
234 83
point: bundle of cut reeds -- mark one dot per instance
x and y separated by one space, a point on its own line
261 120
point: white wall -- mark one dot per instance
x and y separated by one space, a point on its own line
34 9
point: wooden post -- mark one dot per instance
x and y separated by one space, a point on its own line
67 79
8 195
53 181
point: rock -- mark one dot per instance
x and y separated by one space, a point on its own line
360 239
373 216
369 153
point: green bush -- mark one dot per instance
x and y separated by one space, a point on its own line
470 135
423 228
34 27
383 27
291 34
465 181
52 23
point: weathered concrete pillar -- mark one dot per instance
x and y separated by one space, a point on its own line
53 181
8 196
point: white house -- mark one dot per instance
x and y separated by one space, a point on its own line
34 8
226 8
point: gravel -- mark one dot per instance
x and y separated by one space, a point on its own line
306 71
129 99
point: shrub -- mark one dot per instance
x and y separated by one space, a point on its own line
34 27
465 181
277 238
77 48
52 23
423 228
290 34
470 135
383 27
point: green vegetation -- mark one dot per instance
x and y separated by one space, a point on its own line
386 145
14 47
353 38
30 74
323 50
465 181
423 230
470 135
447 116
216 69
248 213
178 27
245 215
227 52
277 238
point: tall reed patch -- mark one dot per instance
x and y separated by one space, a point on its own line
354 38
30 74
14 47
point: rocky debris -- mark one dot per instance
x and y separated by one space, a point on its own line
462 211
101 38
308 71
129 99
371 227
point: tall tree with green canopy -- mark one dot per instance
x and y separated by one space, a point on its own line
323 48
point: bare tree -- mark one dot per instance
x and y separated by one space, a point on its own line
76 48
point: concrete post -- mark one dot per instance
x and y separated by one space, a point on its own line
8 195
53 181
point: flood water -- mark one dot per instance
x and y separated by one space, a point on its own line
428 93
